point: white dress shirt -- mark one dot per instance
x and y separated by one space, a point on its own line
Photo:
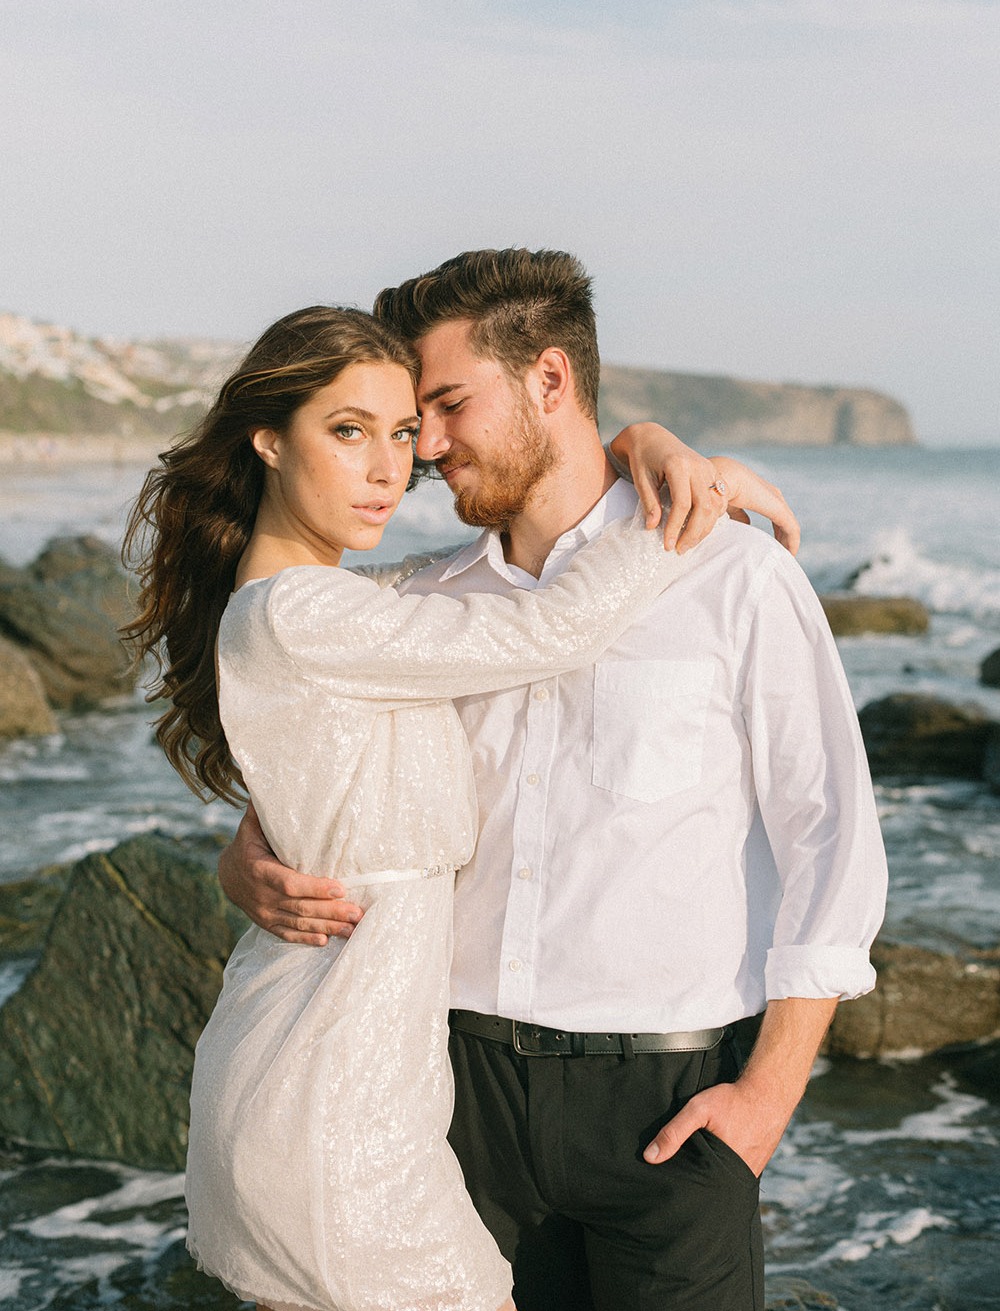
623 877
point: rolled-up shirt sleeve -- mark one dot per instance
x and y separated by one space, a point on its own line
815 795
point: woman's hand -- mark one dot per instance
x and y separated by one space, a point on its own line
747 490
701 489
655 456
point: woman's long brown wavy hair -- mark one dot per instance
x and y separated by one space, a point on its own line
194 516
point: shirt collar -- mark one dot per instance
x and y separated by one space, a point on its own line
617 503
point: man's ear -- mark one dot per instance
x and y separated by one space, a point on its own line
265 443
552 378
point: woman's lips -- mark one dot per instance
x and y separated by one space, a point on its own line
377 512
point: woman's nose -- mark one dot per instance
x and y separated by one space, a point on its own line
391 463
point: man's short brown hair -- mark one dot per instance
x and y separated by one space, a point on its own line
520 302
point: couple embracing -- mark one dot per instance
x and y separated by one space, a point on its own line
642 764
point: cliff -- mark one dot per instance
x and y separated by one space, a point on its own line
57 383
54 381
722 413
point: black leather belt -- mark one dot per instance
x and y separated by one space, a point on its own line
536 1040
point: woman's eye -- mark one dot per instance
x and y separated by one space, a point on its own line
406 434
349 431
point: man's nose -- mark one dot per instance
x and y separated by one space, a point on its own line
432 442
388 464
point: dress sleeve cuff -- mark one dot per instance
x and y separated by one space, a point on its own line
818 972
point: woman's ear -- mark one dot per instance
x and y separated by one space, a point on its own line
265 443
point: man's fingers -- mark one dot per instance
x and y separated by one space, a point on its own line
329 912
674 1133
290 885
287 933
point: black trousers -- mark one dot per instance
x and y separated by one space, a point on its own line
551 1148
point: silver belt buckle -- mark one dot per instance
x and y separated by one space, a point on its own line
516 1030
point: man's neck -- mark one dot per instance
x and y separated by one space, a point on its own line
558 503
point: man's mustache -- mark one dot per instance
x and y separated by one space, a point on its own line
446 463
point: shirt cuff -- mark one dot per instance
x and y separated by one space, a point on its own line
818 972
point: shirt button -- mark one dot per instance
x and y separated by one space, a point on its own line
514 965
532 780
524 873
542 694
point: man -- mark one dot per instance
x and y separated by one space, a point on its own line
671 841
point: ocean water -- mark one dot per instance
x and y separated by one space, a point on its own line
886 1189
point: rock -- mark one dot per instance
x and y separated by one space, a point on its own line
989 670
924 1000
782 1292
991 759
96 1047
979 1065
73 647
24 711
913 733
850 615
89 570
26 910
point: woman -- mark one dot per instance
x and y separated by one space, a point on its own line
319 1176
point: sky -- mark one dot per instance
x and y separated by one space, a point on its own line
791 190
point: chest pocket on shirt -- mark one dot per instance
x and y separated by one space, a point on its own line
649 725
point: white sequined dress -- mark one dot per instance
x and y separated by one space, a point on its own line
319 1177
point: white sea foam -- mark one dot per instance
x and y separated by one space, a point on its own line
898 568
800 1183
944 1123
12 975
875 1230
79 1218
11 1279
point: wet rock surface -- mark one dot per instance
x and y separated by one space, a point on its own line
97 1045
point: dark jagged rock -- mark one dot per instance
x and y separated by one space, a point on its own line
24 711
991 759
910 734
925 1000
89 570
64 628
979 1065
850 616
96 1047
989 670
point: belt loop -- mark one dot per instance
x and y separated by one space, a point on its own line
578 1044
627 1050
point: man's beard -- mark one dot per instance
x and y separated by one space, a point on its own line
506 483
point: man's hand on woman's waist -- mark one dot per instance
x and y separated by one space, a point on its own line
294 907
